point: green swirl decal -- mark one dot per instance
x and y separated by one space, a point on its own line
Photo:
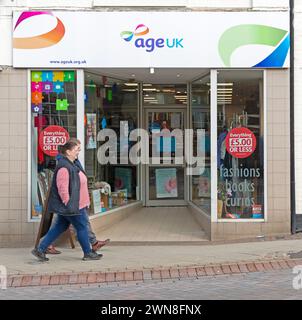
247 34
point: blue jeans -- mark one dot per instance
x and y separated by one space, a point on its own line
91 234
61 224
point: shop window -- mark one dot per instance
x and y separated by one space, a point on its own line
169 94
201 183
108 102
53 120
240 161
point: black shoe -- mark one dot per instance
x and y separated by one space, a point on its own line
99 254
92 256
39 254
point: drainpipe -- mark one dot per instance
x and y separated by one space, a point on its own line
292 118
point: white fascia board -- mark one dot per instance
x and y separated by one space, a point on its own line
50 3
219 4
270 4
139 3
174 3
247 4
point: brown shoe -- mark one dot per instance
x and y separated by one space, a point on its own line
52 250
99 244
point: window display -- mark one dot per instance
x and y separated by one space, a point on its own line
240 161
53 121
108 102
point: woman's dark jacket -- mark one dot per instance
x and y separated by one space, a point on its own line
55 204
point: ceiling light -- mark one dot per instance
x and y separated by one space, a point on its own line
222 84
168 91
149 89
224 92
130 84
151 70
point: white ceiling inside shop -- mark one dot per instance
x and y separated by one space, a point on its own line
160 75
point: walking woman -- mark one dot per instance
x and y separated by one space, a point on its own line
69 198
95 244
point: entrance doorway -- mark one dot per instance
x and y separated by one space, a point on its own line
166 183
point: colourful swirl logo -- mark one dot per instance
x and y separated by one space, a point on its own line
248 34
140 30
44 40
150 44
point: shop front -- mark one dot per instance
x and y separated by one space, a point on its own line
193 116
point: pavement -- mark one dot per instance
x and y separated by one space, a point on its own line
271 285
147 262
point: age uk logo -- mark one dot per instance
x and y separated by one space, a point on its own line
149 44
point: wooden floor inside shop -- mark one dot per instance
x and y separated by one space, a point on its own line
156 225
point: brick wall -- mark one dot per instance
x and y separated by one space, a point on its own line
14 228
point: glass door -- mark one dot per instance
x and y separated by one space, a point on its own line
166 183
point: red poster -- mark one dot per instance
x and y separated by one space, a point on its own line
240 142
51 137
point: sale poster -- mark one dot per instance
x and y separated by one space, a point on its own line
50 138
240 142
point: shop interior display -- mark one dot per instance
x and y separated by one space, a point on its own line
240 180
108 102
53 103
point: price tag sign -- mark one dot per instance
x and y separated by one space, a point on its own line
51 137
240 142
